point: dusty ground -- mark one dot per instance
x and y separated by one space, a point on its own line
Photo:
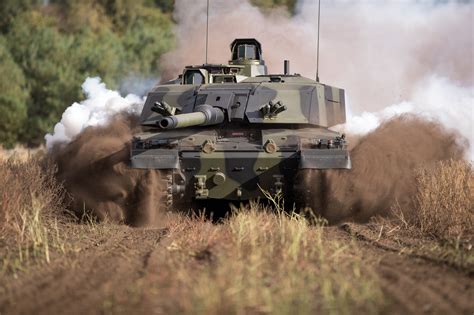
415 282
257 260
114 270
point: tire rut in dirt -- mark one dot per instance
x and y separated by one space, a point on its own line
414 284
83 285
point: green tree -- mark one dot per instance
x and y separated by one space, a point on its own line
45 56
122 12
268 4
13 98
99 54
9 9
80 14
146 39
166 6
48 51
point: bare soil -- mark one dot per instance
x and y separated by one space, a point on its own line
110 272
416 283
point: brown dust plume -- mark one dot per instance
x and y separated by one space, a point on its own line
383 166
94 171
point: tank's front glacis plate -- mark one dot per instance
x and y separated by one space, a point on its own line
236 164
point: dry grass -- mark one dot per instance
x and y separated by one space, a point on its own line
21 153
444 202
443 212
261 262
255 261
30 201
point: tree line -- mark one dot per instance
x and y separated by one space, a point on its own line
48 48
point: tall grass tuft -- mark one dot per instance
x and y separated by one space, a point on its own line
444 201
30 199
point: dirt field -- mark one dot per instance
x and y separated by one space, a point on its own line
116 269
258 259
414 282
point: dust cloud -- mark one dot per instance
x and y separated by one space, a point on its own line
94 170
383 165
91 146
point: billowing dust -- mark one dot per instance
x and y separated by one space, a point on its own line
383 164
94 170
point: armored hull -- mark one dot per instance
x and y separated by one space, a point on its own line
230 131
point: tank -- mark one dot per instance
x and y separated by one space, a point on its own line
233 131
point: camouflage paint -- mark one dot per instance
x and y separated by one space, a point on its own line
275 125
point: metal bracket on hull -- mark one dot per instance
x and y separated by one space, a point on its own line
201 191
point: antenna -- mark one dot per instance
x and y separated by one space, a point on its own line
317 49
207 29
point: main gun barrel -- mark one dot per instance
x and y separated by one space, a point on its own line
204 115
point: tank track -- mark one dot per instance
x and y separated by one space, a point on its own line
167 189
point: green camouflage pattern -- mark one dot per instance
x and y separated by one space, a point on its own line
219 133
